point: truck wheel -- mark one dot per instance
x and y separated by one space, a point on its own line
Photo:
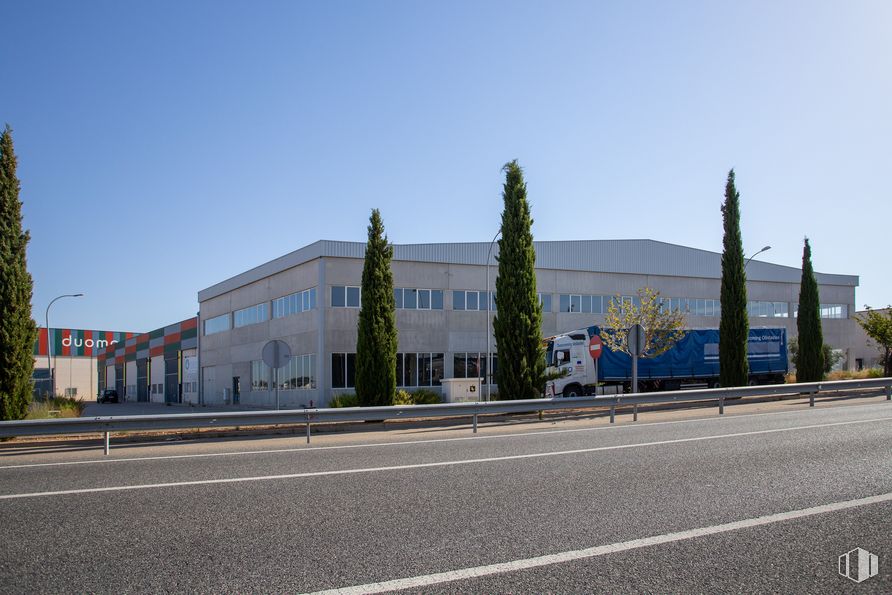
573 390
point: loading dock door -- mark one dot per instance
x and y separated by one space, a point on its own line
172 378
142 380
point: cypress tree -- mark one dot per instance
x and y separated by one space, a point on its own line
518 320
734 325
17 330
810 364
377 342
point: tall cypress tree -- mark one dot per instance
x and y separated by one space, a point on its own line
734 325
518 320
377 342
810 364
17 330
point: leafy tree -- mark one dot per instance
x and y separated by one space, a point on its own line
810 366
878 326
663 327
17 330
518 319
377 342
734 325
830 357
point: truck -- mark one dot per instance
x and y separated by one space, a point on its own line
693 362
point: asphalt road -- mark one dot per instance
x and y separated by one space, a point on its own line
755 503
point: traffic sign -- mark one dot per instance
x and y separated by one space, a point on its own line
594 347
276 354
636 339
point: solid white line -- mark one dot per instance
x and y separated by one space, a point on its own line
410 442
573 555
427 465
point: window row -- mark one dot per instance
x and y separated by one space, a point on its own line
418 299
298 373
294 303
412 369
345 296
827 310
281 307
157 389
249 315
472 365
758 309
190 387
472 300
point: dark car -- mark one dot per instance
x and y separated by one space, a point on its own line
109 395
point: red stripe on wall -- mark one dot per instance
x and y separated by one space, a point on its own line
42 341
187 324
66 349
155 351
171 338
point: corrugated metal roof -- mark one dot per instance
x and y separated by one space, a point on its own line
645 257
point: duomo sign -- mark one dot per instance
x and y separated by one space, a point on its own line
76 342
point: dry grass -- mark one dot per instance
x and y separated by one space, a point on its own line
57 407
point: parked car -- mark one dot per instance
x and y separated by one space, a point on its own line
109 395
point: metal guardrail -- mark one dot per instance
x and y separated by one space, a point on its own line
124 423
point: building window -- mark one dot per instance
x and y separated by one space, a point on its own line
299 373
345 296
545 300
418 299
295 303
71 392
587 304
259 375
218 324
759 309
472 364
250 315
343 370
419 369
472 300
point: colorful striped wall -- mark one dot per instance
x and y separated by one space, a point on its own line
167 340
69 342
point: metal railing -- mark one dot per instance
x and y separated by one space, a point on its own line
307 417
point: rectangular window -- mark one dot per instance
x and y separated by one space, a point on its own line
410 299
218 324
338 296
437 368
564 302
352 297
436 299
343 370
260 375
458 300
458 365
299 373
397 297
294 303
545 300
575 303
471 298
250 315
410 376
424 369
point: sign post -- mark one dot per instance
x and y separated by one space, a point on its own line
275 355
636 348
595 349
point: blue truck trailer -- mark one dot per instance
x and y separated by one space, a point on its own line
693 362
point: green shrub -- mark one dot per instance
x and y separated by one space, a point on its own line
56 407
875 373
403 397
425 397
344 400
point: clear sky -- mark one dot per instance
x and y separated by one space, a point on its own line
166 146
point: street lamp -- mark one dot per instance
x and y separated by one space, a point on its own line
755 255
488 374
49 342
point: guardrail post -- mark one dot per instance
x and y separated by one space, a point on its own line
475 422
811 399
721 405
889 393
308 427
107 436
635 412
612 412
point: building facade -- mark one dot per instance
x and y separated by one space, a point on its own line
160 366
310 299
71 355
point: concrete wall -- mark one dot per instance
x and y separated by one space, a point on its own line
76 373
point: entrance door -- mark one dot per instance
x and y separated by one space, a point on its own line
236 389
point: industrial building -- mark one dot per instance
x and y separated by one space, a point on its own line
71 355
160 366
310 299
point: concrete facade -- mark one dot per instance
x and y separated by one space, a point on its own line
437 338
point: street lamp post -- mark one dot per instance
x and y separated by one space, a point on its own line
488 375
49 342
755 255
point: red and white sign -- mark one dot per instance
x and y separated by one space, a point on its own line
594 347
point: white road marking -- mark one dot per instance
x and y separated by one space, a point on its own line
538 455
573 555
412 442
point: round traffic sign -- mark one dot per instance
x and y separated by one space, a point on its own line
594 347
276 354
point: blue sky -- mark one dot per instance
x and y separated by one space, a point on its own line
166 146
